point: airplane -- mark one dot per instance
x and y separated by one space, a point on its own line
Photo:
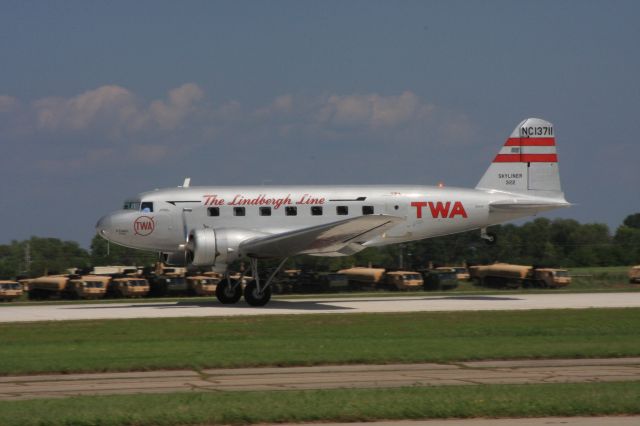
213 226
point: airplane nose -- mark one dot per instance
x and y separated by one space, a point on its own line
104 226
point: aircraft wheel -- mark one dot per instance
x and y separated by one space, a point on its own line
491 239
228 292
253 298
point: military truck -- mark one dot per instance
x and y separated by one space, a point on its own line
202 285
441 278
504 275
10 290
165 281
68 286
313 282
634 274
125 281
380 278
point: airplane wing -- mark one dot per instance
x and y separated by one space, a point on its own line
340 238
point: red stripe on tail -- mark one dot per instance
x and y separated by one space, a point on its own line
530 142
526 158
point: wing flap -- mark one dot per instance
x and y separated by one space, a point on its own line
336 238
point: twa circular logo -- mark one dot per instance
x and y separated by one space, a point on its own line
143 226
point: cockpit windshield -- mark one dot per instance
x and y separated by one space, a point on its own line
131 205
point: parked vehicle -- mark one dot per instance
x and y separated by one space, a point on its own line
503 275
441 278
165 281
380 278
202 285
125 281
634 274
10 290
68 286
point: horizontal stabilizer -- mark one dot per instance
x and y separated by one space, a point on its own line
337 238
526 205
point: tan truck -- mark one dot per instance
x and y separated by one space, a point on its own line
68 286
462 273
202 285
125 281
10 290
380 278
634 274
504 275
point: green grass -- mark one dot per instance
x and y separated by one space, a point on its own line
171 343
344 405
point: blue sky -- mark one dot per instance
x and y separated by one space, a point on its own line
100 100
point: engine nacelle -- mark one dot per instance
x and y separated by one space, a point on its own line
178 258
209 247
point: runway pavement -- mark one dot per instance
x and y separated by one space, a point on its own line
322 377
318 305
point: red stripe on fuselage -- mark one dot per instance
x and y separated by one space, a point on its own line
530 142
526 158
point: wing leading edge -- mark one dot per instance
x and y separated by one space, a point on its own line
341 238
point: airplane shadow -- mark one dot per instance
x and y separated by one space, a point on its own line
273 305
298 305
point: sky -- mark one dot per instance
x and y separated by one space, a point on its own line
102 100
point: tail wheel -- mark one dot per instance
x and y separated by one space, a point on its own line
228 292
255 298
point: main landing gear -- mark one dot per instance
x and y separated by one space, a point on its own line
229 291
488 237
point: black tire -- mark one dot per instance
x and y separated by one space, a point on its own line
253 298
228 292
491 240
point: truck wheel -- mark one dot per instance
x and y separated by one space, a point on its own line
228 292
253 298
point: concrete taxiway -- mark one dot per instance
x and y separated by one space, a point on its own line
318 305
322 377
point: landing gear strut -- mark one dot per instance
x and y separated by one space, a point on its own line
255 293
488 237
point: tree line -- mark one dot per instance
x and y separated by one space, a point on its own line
543 242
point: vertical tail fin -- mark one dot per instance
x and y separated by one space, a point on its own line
527 163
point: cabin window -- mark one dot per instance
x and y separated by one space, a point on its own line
213 211
146 207
238 211
291 211
367 210
265 211
132 205
316 210
342 210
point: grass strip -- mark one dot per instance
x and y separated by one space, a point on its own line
174 343
328 405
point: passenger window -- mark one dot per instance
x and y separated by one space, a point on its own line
342 210
238 211
147 207
291 211
367 210
213 211
316 210
265 211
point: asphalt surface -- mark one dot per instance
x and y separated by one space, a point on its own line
322 377
318 305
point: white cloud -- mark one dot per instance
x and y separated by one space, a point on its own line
372 110
169 115
7 103
117 109
110 104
